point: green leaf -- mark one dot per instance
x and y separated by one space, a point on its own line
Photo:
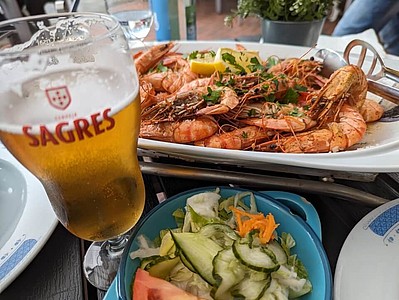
299 268
269 98
291 96
178 214
296 112
252 112
227 57
266 76
161 67
287 242
230 59
276 83
193 55
199 220
287 10
255 65
213 96
300 88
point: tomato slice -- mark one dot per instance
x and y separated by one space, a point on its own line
147 287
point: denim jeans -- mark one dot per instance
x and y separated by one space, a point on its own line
381 15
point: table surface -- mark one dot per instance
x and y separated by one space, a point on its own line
56 272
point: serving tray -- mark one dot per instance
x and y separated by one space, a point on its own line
378 151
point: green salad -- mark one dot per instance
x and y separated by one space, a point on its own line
224 249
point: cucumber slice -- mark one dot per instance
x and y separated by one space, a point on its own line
256 258
253 286
148 260
275 292
187 263
162 266
199 251
167 245
278 251
222 234
228 271
307 287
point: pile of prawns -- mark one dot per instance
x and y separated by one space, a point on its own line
283 107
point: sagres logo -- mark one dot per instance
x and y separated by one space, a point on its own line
59 97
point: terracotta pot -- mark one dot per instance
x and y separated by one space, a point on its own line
304 33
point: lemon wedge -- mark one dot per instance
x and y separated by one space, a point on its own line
203 64
236 61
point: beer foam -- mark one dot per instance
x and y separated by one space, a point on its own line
62 32
89 90
93 77
73 37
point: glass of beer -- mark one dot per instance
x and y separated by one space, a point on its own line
70 113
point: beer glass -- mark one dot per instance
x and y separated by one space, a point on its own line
70 113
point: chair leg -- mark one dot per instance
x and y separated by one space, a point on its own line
10 9
218 6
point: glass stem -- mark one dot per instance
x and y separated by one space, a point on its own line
102 261
117 244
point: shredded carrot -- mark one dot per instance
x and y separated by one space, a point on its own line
247 222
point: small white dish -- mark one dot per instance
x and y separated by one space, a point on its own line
12 199
26 218
368 264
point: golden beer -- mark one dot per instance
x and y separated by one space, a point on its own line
70 113
94 184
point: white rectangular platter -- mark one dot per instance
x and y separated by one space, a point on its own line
377 152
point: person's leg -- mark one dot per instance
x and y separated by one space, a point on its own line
364 14
389 36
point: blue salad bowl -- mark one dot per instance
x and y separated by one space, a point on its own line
294 214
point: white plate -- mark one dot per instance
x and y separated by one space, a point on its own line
378 152
368 264
30 222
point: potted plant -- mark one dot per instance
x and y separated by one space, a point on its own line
295 22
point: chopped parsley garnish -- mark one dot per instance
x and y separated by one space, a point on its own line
300 88
193 55
252 112
199 55
269 98
266 76
229 83
212 97
230 59
227 57
291 96
276 83
296 112
244 135
255 65
265 87
161 67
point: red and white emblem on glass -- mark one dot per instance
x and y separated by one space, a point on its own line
59 97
